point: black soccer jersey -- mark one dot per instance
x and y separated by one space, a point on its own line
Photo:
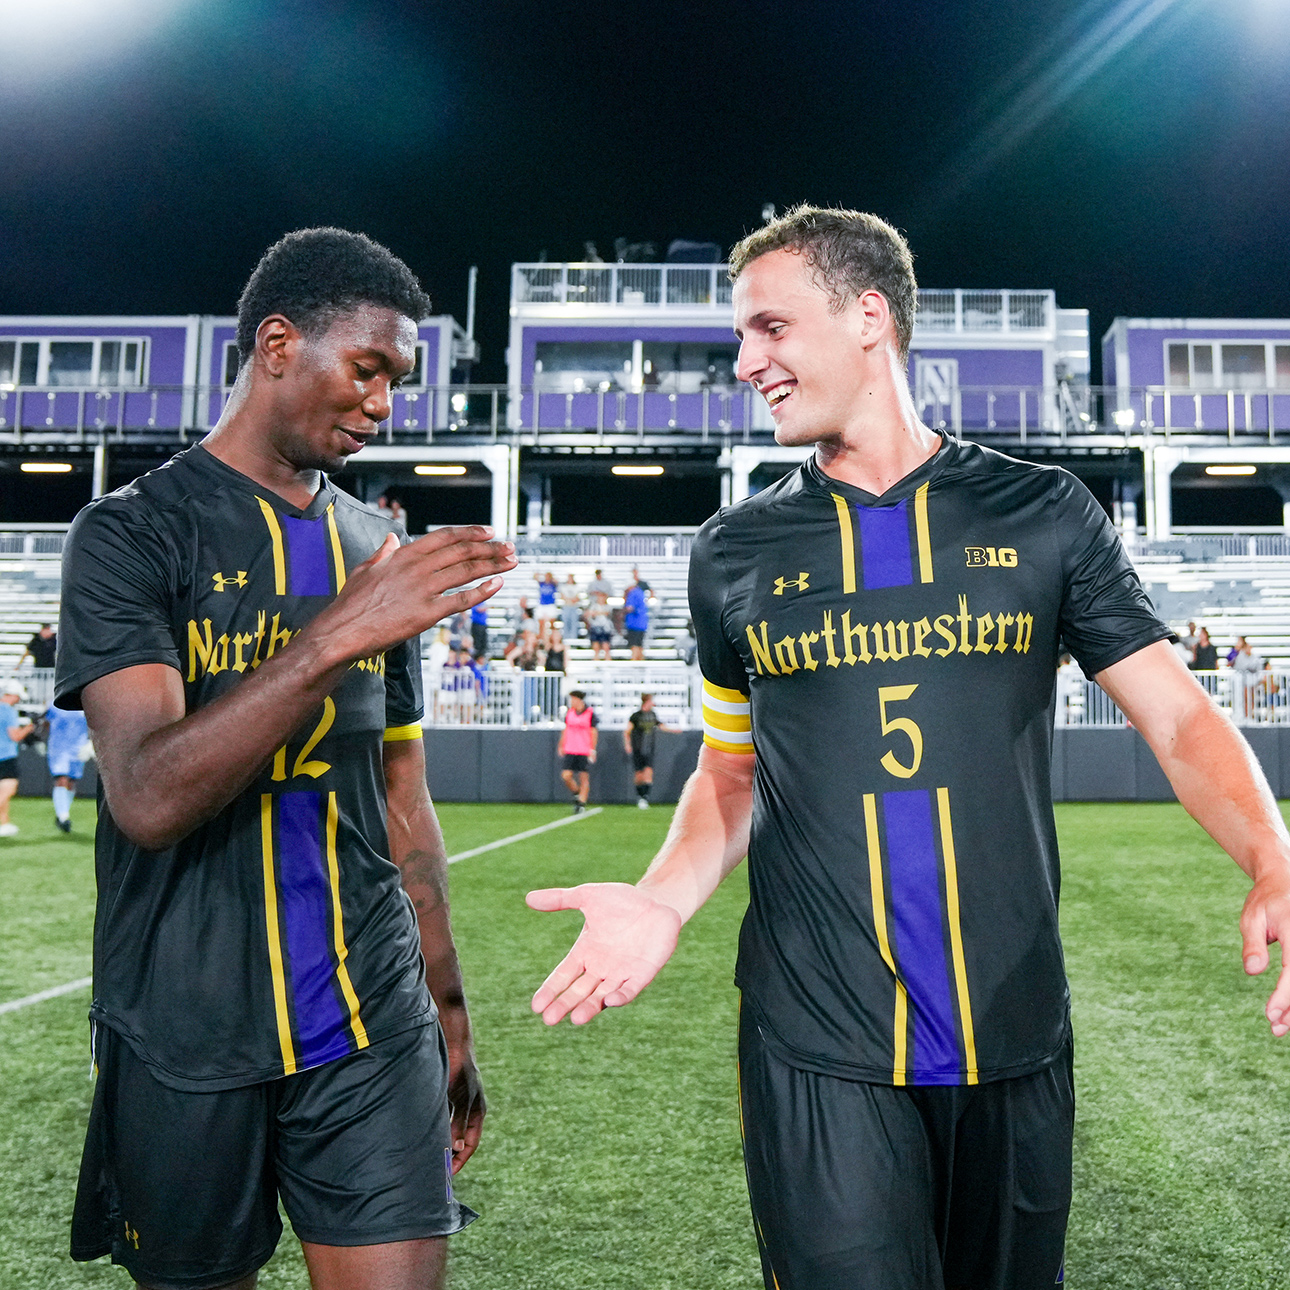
644 731
277 936
891 661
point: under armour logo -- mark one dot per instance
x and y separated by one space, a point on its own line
800 582
132 1236
222 583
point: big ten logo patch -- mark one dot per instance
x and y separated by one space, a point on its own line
989 557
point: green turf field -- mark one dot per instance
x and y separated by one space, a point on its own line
611 1154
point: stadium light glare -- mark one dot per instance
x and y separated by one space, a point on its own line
438 470
46 467
1230 470
1125 418
636 470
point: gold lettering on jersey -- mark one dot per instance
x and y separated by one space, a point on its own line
222 583
961 633
989 557
800 582
243 651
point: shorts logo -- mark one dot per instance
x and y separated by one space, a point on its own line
131 1236
800 582
981 557
223 583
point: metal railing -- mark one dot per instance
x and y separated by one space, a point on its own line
504 697
630 286
604 410
1249 698
962 312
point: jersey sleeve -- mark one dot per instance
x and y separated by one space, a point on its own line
727 714
115 610
1105 614
404 703
595 720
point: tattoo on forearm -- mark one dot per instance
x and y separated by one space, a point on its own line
425 879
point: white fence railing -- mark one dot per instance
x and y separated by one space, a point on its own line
1249 698
454 696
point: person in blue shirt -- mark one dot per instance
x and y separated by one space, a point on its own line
16 728
65 750
636 620
479 630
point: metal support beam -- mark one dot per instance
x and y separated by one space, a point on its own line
100 482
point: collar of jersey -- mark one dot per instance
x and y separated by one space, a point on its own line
901 489
203 459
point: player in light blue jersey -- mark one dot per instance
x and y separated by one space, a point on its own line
66 746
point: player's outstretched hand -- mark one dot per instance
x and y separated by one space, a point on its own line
626 937
1266 918
403 590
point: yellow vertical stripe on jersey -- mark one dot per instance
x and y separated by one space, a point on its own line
956 933
275 938
338 556
279 555
338 924
923 533
848 544
900 1025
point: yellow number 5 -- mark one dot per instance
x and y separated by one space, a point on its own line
895 694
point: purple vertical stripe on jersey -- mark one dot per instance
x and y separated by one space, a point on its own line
306 907
307 543
920 934
884 545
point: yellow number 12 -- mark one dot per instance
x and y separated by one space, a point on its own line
896 694
303 766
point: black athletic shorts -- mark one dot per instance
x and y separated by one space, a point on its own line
635 637
859 1186
182 1188
575 762
642 761
9 768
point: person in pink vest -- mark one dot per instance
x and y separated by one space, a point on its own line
577 748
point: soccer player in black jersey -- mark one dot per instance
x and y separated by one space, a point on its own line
878 634
244 639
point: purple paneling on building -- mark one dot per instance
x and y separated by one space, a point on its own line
1201 374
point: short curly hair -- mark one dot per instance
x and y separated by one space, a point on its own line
315 275
849 252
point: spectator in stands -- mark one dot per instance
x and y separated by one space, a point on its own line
397 512
1188 640
547 610
600 626
436 655
687 648
14 728
577 748
524 621
67 748
636 618
570 608
600 586
639 581
459 633
479 631
42 647
383 507
555 651
1205 658
1248 666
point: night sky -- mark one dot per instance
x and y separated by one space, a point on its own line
1134 156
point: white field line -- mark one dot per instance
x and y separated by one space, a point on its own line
528 833
41 995
54 991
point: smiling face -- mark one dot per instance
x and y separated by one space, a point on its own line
335 389
813 366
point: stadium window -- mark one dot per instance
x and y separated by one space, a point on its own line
232 364
1281 365
1202 365
416 378
1179 365
570 367
1245 367
67 361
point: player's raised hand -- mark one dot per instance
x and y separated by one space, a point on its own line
402 590
1264 919
626 937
